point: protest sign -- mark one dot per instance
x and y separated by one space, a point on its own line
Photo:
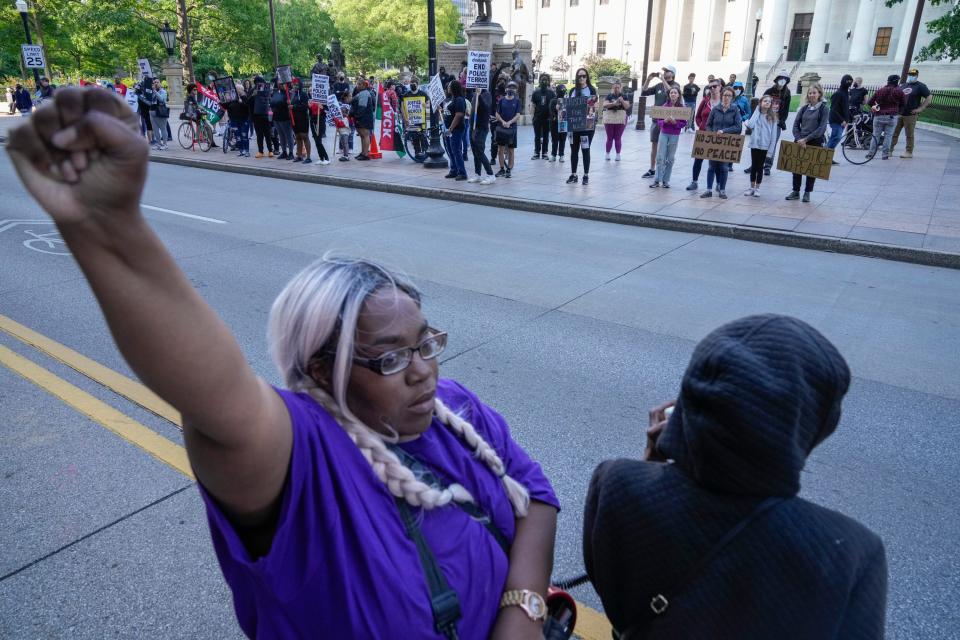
33 56
478 69
132 101
805 160
320 88
209 104
387 120
284 74
334 111
145 69
226 89
722 147
416 109
580 113
663 113
436 92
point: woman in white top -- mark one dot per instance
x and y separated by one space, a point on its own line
763 138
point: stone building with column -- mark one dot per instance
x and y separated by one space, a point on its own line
826 37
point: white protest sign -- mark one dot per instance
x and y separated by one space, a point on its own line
320 88
33 56
131 99
333 107
478 69
436 92
145 69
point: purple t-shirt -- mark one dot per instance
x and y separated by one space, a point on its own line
341 565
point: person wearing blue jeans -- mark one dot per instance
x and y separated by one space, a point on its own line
724 118
456 123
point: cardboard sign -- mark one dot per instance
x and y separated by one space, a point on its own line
805 160
284 74
145 69
415 109
436 92
722 147
677 113
478 69
580 113
33 56
320 88
226 89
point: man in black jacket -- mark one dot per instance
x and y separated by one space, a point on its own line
708 538
839 112
780 92
541 100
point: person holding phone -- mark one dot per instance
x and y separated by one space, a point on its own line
708 531
659 91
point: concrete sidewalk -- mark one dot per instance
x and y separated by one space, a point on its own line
897 209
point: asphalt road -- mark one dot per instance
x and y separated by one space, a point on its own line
570 328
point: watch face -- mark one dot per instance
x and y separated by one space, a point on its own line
536 606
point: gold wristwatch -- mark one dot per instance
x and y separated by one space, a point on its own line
531 602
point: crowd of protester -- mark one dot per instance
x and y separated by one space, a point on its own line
283 120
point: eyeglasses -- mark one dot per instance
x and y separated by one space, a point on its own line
398 360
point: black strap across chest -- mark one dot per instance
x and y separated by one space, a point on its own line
443 599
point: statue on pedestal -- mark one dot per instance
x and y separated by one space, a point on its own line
520 74
484 11
337 58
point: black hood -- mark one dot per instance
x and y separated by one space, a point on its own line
759 394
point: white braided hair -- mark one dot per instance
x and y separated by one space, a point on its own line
319 309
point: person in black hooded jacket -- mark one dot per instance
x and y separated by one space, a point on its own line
839 111
714 537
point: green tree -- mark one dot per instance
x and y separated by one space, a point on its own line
376 31
560 65
599 66
946 33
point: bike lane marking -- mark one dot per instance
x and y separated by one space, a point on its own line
100 412
591 624
184 215
121 384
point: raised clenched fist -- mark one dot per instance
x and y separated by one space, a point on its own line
81 156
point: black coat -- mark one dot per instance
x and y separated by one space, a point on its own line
840 106
758 396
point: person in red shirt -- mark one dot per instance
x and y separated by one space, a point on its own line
118 86
886 105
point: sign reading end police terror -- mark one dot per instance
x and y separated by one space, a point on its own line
478 69
805 160
722 147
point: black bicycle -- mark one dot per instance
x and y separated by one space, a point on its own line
415 143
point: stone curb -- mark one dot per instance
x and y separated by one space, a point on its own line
952 132
686 225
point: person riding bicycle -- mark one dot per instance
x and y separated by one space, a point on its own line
191 108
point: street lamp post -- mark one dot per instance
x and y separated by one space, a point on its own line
753 55
169 37
273 34
22 8
435 150
172 69
642 102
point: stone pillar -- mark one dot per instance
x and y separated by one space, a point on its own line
863 32
903 38
818 30
173 73
775 40
702 18
671 19
482 36
806 80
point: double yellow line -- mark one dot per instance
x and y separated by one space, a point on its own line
95 409
591 624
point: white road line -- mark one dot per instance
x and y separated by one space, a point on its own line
185 215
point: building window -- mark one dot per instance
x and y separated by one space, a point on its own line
601 44
725 49
574 3
544 4
518 4
571 44
544 44
882 45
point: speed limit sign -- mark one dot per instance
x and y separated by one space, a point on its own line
33 56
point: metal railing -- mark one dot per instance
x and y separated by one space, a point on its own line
772 72
944 109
